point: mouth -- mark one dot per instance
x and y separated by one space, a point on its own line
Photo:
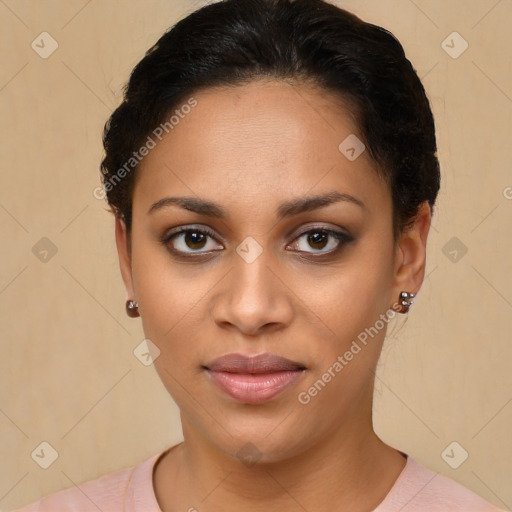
253 379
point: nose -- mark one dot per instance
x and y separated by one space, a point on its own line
253 298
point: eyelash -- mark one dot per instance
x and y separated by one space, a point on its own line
342 239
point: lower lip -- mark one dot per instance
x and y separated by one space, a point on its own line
254 388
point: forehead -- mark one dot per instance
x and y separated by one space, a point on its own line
258 141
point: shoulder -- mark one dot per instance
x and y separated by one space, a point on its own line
110 492
419 489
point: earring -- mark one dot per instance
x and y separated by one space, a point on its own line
132 308
405 299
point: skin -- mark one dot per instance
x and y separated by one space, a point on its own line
250 148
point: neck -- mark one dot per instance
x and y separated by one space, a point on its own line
352 469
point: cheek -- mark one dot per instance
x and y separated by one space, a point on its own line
349 297
166 300
348 305
344 359
167 291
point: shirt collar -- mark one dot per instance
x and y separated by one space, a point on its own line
140 493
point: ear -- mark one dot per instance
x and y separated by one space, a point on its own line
411 253
123 244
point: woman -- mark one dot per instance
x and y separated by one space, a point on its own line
272 171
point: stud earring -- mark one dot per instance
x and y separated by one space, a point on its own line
405 300
132 308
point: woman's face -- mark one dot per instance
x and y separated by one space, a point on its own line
264 269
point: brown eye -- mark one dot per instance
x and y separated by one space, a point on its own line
322 241
192 240
318 239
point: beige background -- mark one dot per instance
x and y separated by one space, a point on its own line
69 375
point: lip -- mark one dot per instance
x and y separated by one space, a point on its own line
253 379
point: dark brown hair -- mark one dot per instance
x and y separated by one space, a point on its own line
235 41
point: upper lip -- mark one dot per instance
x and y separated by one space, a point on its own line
261 363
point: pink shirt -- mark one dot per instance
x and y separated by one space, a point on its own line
417 489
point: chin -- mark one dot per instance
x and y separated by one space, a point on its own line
265 441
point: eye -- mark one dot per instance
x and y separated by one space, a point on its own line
191 240
321 240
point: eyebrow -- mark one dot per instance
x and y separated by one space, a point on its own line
286 209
